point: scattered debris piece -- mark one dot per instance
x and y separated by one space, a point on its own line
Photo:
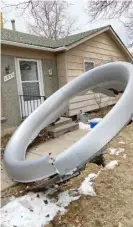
112 151
115 151
86 186
84 126
121 142
112 164
124 156
45 201
64 199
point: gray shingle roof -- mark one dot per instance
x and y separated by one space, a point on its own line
77 37
19 37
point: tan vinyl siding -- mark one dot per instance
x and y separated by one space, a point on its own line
88 102
61 67
100 49
89 107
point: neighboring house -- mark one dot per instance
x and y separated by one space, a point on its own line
34 67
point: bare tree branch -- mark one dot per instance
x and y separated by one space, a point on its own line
110 9
46 18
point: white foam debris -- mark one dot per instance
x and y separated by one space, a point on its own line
124 156
120 150
86 187
121 142
112 164
115 151
112 151
84 126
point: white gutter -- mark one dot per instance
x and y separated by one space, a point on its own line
63 48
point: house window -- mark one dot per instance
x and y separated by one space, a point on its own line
88 65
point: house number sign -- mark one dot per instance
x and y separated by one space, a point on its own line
9 76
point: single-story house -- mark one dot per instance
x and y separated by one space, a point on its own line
33 68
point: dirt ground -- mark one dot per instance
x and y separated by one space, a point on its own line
113 204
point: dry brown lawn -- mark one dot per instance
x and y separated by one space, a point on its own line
113 205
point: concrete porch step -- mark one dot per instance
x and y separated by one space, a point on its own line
62 121
58 131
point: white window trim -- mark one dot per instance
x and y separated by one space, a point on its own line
19 82
40 75
88 62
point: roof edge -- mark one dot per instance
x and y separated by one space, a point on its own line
87 38
108 28
121 43
10 43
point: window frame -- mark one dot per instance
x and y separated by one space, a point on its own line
88 62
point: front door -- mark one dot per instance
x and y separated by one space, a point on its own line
30 85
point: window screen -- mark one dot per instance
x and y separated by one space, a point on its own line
31 90
89 65
28 70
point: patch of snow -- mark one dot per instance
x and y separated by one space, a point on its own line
86 187
112 164
115 151
64 199
37 210
84 126
34 209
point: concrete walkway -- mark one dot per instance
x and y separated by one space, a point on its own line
54 146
